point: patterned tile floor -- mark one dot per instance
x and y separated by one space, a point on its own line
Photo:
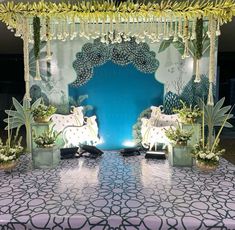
113 192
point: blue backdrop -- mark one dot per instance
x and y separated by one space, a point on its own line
119 94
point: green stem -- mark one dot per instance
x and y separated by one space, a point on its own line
221 128
210 136
203 127
28 138
194 64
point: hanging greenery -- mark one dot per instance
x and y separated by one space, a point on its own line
198 48
199 38
48 38
36 36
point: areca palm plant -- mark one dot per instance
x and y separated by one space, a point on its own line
21 116
216 116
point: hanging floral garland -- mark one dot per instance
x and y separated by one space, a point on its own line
25 31
212 33
223 10
36 37
186 39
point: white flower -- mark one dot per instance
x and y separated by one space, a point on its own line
201 155
210 156
11 157
217 158
5 158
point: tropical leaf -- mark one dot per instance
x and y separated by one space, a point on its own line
215 115
21 116
13 120
19 108
179 46
165 44
87 108
72 101
81 99
10 112
36 103
13 126
192 47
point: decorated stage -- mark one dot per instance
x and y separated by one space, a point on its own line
113 192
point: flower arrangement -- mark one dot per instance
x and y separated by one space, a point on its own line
177 135
204 155
42 112
46 139
10 152
207 152
188 115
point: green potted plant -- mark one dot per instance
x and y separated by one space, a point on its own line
46 154
10 152
178 136
188 115
179 153
42 113
207 152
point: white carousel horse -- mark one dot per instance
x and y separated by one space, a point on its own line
76 118
152 135
162 119
153 129
86 134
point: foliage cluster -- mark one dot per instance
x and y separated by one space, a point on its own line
43 111
178 135
189 114
46 139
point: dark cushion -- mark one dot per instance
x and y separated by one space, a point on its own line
68 152
91 149
130 151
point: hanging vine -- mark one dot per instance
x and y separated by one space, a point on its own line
198 46
36 37
48 38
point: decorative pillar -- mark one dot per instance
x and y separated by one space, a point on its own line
26 57
212 28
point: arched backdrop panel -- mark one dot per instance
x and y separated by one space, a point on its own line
119 94
119 77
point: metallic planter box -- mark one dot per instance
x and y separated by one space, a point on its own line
44 158
180 156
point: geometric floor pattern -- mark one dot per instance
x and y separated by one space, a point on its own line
113 192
